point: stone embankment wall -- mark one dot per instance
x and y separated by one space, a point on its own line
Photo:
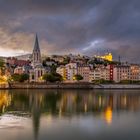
72 86
4 86
116 86
52 86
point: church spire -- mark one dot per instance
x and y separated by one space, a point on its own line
36 53
36 46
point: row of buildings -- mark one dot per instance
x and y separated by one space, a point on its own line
116 73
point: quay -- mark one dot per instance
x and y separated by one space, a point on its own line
68 86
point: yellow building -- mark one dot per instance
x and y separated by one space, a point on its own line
107 57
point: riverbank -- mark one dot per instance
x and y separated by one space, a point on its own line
68 86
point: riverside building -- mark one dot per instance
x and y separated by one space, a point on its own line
122 72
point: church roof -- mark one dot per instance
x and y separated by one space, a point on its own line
36 46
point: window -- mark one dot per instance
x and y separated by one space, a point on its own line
38 73
33 77
41 73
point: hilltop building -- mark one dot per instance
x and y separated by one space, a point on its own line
37 70
107 57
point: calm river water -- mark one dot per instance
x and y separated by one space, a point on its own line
69 115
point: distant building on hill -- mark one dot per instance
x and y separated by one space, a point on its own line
107 57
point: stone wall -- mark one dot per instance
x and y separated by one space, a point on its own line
68 86
73 86
4 86
52 86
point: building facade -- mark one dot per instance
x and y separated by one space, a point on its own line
135 72
122 72
71 71
84 71
99 73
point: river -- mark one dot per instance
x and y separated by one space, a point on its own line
69 114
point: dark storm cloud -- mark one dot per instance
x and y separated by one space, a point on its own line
73 25
46 6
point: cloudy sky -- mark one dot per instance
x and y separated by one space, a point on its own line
71 26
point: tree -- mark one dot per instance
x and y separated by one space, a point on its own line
20 77
66 60
15 77
1 63
58 77
78 77
48 77
53 68
24 77
52 77
2 67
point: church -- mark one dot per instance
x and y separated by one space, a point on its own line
37 70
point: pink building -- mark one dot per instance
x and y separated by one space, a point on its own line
84 71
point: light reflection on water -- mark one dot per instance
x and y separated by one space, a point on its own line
69 114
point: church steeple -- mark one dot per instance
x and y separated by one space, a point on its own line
36 46
36 53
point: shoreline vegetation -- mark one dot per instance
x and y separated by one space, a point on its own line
75 85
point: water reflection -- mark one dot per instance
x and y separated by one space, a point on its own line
67 103
5 101
108 115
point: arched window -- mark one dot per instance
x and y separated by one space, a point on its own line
38 73
41 72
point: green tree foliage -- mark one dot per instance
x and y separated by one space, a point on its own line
2 66
24 77
16 77
52 77
2 63
78 77
66 60
53 68
20 77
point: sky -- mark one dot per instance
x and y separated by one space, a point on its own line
85 27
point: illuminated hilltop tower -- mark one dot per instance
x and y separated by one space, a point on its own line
107 57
